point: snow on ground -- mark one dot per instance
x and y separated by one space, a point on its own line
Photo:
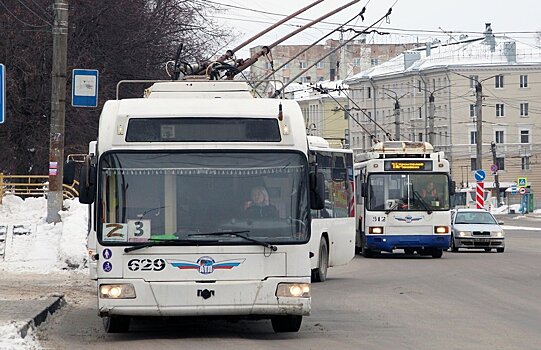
11 340
33 245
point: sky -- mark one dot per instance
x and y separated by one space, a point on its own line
410 20
55 249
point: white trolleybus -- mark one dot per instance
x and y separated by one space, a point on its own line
208 202
403 199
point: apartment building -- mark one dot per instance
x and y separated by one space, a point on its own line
430 94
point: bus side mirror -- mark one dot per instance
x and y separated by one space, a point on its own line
452 188
364 189
69 173
87 184
317 191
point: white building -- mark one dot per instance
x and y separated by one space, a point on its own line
509 73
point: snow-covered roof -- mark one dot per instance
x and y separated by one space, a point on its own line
475 53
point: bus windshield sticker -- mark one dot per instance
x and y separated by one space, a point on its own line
138 230
113 232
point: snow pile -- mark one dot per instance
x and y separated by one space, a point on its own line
10 339
33 245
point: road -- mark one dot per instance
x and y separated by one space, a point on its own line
465 300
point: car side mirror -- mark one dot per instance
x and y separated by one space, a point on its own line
364 189
500 222
452 188
68 173
87 184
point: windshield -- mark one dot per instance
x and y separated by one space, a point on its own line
408 192
146 197
474 218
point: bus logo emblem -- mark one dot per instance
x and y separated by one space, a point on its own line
206 264
408 219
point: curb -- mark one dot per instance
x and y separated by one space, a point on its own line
56 303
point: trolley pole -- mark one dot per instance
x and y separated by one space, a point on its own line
58 110
431 108
479 124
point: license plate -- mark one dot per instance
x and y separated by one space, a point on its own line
482 240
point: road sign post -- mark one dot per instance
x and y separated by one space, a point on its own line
2 93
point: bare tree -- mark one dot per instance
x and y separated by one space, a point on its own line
123 39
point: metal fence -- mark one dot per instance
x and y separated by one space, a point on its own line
32 186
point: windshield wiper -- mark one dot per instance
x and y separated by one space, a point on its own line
237 234
162 242
425 205
393 207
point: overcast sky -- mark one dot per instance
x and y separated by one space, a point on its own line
410 21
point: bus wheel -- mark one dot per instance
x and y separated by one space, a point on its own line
437 253
320 274
409 251
116 324
281 324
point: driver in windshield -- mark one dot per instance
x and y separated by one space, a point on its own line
259 205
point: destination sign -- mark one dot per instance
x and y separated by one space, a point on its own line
408 165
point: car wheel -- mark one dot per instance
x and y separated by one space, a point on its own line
453 246
116 324
320 273
500 250
291 323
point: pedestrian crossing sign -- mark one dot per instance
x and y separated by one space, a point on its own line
522 181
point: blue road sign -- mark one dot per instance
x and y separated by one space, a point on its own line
2 93
522 182
480 175
84 88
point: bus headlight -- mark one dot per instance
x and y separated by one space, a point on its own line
441 229
117 291
293 290
375 230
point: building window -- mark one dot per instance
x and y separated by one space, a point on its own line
420 136
472 110
320 78
286 66
473 81
500 162
319 65
374 61
525 163
523 81
498 81
286 80
499 136
419 86
420 113
499 110
524 109
369 92
524 136
368 116
356 62
473 164
473 137
302 65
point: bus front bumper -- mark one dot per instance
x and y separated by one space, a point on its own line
221 298
389 243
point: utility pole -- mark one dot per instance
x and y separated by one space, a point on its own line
58 110
479 123
431 109
496 177
397 120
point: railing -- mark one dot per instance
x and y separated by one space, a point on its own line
32 186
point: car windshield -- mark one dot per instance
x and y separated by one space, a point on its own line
149 197
474 218
408 192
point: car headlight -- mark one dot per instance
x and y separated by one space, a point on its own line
117 291
498 234
293 290
464 233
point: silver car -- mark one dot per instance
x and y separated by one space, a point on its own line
476 229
